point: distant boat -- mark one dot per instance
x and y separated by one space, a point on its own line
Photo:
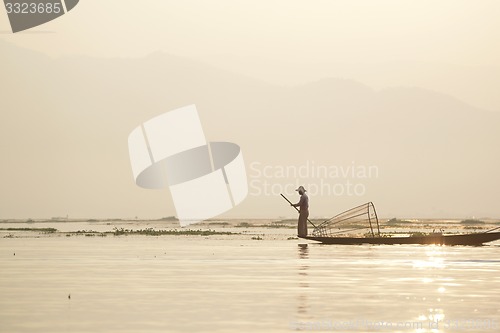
365 217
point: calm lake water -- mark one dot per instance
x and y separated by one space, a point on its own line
236 284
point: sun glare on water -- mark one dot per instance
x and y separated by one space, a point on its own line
433 259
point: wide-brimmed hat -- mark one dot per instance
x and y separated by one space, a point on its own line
301 188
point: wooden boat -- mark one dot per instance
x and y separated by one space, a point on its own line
436 238
336 231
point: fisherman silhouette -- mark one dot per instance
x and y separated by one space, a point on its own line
303 205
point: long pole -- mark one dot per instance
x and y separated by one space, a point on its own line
296 208
492 229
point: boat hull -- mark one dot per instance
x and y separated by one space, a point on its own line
439 239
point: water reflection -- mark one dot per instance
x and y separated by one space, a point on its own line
432 266
434 258
303 251
302 300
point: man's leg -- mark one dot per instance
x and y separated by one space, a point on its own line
302 227
306 215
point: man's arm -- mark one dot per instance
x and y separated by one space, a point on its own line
298 203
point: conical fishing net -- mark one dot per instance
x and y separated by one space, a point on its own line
357 218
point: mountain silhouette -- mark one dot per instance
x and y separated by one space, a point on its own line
65 121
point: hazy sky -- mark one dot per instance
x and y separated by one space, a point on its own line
450 47
447 31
